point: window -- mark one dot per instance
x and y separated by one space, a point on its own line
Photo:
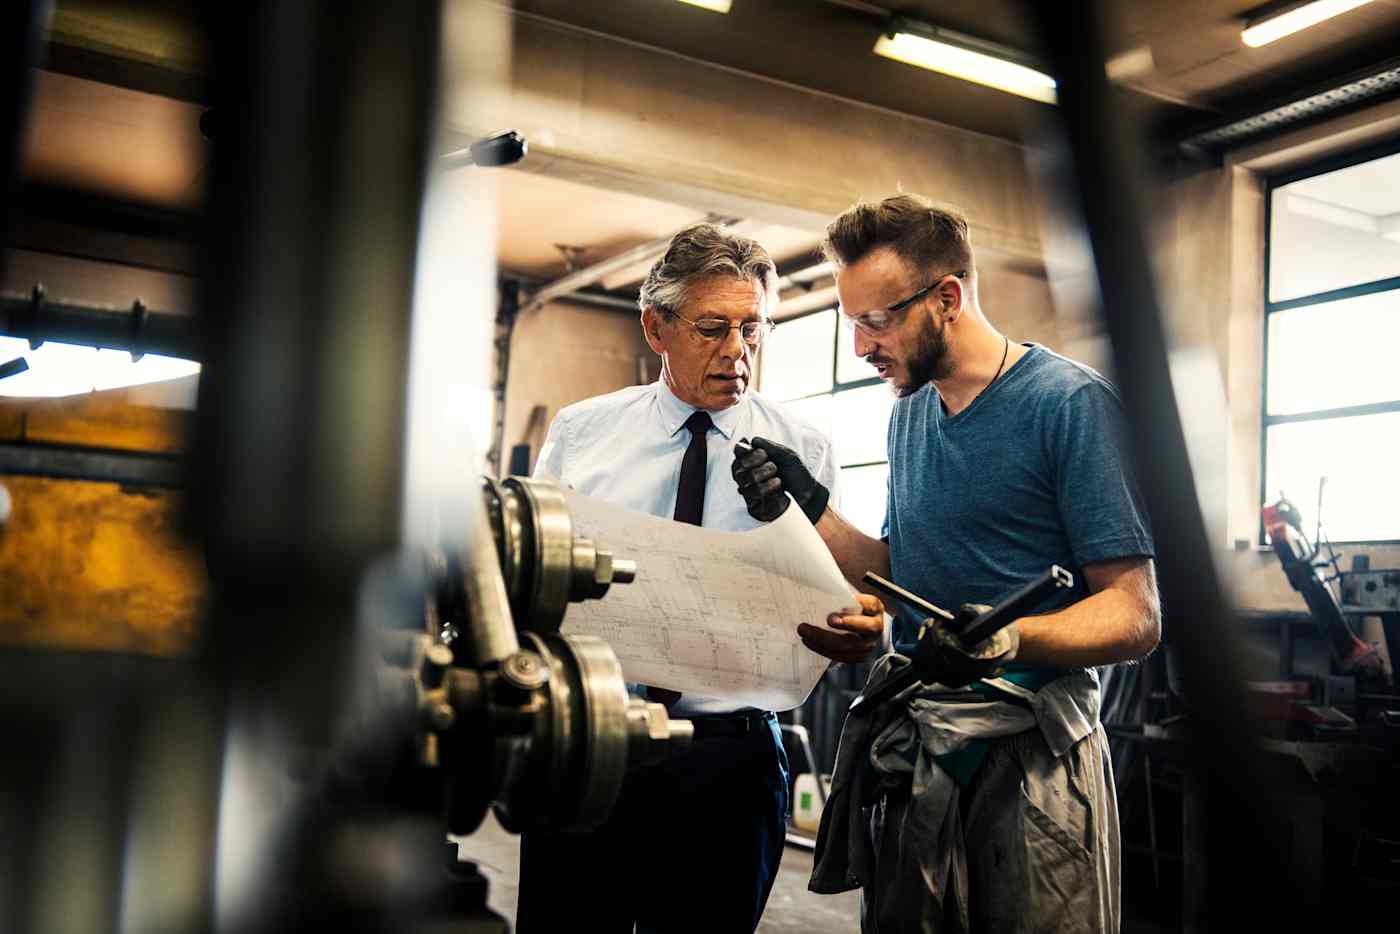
1331 326
809 362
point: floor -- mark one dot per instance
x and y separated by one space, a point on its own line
791 908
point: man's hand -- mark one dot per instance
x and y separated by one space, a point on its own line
860 633
767 471
941 657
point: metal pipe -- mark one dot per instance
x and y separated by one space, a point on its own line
603 301
588 275
490 626
137 329
507 311
800 277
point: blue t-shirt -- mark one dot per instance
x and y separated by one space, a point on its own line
1034 472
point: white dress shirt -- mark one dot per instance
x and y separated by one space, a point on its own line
626 448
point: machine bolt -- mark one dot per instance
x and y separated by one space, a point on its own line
442 716
436 660
525 671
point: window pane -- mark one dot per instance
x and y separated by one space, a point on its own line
817 411
860 423
1335 230
1357 455
863 491
1340 353
797 356
849 367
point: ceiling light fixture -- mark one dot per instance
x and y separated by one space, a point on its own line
719 6
1299 16
966 57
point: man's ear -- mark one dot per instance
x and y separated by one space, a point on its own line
652 329
952 296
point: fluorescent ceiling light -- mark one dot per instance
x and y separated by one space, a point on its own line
963 57
67 369
1266 29
719 6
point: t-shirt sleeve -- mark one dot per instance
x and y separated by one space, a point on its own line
889 505
550 465
1100 503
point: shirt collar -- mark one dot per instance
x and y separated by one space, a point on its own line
674 412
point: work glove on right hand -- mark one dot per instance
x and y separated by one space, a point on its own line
942 657
768 471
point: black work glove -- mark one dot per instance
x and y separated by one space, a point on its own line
768 471
941 657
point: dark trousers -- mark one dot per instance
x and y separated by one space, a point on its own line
692 845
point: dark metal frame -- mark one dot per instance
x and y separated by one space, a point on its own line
1271 183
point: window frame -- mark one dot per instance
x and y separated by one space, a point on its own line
836 385
1390 284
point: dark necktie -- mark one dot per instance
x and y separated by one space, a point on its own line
690 507
690 492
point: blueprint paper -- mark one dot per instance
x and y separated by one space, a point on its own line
712 613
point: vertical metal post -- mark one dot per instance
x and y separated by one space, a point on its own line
22 25
317 183
1244 843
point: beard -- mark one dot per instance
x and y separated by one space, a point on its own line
928 360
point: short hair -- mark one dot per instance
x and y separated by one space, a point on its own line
923 234
700 251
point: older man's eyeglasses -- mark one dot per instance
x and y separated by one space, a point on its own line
716 329
881 319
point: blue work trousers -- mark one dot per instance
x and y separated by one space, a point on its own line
692 845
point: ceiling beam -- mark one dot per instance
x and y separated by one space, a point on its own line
622 116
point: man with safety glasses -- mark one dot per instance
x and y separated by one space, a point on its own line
694 843
1005 458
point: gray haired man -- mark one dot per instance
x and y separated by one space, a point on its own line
700 836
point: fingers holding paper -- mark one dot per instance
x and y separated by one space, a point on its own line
850 635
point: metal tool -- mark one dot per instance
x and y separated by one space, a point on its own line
969 630
892 589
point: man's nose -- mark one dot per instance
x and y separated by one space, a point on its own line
732 347
864 345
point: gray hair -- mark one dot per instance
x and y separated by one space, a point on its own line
703 250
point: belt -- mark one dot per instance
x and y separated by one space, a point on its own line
729 725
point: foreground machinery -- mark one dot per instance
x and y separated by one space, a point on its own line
379 660
502 708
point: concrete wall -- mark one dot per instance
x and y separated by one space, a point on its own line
566 352
1019 304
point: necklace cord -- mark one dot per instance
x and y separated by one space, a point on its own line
1005 348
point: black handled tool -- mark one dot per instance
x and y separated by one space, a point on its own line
969 632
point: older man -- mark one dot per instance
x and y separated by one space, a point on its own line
693 844
1005 458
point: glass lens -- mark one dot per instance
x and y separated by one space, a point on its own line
849 367
712 328
754 332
